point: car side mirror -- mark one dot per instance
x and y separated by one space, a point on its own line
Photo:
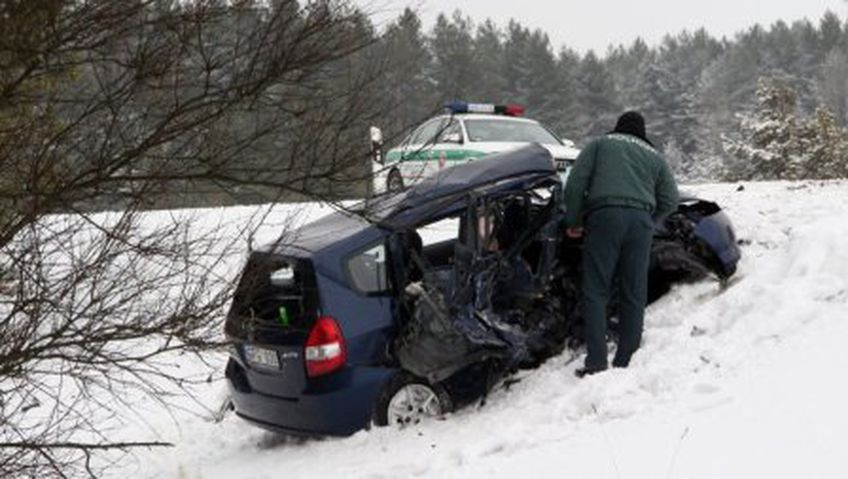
377 144
452 138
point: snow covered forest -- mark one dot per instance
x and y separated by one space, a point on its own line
251 127
770 103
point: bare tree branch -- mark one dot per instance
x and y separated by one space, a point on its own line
110 109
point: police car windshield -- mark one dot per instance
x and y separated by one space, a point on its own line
508 130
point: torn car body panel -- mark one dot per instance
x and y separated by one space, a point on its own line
493 305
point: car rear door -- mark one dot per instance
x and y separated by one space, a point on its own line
275 305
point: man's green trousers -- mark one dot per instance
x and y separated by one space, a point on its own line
617 244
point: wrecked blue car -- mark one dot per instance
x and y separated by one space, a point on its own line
413 304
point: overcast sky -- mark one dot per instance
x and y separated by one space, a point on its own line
595 24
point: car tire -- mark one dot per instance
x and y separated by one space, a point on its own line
407 400
394 182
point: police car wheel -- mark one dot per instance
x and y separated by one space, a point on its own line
394 181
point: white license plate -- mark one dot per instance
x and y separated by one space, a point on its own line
261 357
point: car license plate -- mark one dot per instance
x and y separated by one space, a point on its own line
261 357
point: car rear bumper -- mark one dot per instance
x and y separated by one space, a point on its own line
337 406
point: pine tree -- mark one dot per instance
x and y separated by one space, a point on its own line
803 72
830 28
515 67
832 84
453 58
625 65
543 100
659 96
772 146
685 58
829 145
407 78
597 97
568 119
489 61
726 87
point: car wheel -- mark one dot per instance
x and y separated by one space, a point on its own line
408 400
394 182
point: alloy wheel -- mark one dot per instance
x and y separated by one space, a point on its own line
413 403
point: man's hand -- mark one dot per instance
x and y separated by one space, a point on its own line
574 233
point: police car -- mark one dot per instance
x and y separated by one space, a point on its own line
465 132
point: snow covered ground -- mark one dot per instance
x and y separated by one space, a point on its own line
749 381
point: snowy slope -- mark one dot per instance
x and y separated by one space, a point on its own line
744 382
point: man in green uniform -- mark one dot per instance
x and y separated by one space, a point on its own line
619 186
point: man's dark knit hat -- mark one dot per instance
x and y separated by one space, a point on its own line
632 123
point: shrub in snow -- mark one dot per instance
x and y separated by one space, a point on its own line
777 143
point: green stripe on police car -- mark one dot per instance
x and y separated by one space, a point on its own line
426 155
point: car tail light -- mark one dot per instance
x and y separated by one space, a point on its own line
325 348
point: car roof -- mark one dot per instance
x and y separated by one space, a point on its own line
319 234
527 164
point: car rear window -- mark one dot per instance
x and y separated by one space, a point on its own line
508 130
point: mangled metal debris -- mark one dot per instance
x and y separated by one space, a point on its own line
512 298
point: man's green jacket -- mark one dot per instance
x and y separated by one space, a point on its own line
619 170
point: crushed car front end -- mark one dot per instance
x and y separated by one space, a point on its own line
695 240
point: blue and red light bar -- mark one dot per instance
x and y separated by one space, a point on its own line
465 107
